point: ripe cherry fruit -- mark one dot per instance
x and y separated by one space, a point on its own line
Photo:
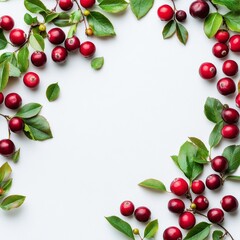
220 50
16 124
230 131
59 54
38 58
142 214
215 215
127 208
1 97
165 12
229 203
176 205
31 79
17 37
7 147
6 23
234 43
179 186
226 86
87 3
237 100
87 49
222 36
230 115
172 233
213 181
201 202
181 15
198 186
13 101
207 70
219 164
56 36
199 9
187 220
230 67
72 43
65 5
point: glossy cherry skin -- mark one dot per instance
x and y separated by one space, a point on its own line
38 58
199 9
6 23
16 124
222 36
72 43
213 181
142 214
237 100
179 186
230 115
17 36
234 43
230 131
59 54
207 70
165 12
13 101
87 49
215 215
230 67
172 233
187 220
181 15
7 147
65 5
220 50
31 79
229 203
201 202
127 208
176 205
219 164
87 3
226 86
1 97
56 36
198 186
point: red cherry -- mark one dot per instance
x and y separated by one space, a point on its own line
237 100
38 58
226 86
17 37
87 49
213 181
207 70
142 214
220 50
7 147
59 54
230 131
176 205
31 79
198 186
1 97
179 186
201 202
172 233
72 43
219 164
65 5
230 67
230 115
6 23
222 36
199 9
234 43
229 203
13 101
181 15
56 36
16 124
127 208
165 12
87 3
186 220
215 215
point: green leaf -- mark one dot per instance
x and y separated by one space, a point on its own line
22 58
151 229
4 75
72 31
153 184
5 172
233 178
232 154
35 6
37 128
169 29
199 231
141 7
6 186
175 160
212 23
213 109
28 19
29 110
200 160
16 155
100 25
75 17
217 235
233 5
121 226
233 21
53 92
216 136
182 33
11 202
201 146
113 6
7 56
37 42
97 63
51 16
3 40
14 71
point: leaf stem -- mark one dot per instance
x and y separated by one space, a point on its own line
7 119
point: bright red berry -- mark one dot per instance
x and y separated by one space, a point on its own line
237 100
87 49
187 220
207 70
7 147
127 208
59 54
6 23
229 203
13 101
222 36
142 214
198 186
181 15
230 131
56 36
176 205
199 9
201 202
234 43
226 86
38 58
31 79
16 124
215 215
72 43
220 50
65 5
172 233
17 37
213 181
165 12
87 3
219 164
1 97
230 115
230 67
179 186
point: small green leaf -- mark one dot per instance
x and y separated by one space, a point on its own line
233 5
5 172
169 29
175 160
153 184
75 17
97 63
233 21
4 74
53 92
7 56
233 178
216 136
22 58
3 40
16 155
199 231
182 33
141 7
62 20
121 226
151 229
29 110
72 31
212 23
11 202
213 109
113 6
232 154
50 17
35 6
14 71
28 19
6 186
200 145
37 42
200 160
217 235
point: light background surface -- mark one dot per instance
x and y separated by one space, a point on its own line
112 129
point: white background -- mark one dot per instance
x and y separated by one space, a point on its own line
112 129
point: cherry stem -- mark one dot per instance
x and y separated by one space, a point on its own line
84 18
7 119
54 9
174 5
